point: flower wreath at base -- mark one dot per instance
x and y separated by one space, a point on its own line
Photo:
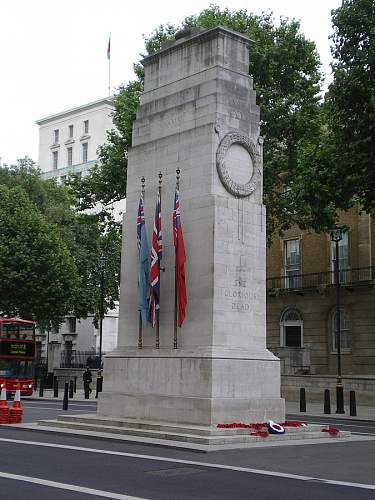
264 429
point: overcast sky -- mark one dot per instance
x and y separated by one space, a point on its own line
53 54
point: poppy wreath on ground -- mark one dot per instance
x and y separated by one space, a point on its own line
332 431
274 428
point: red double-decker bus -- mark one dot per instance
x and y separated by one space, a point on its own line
17 355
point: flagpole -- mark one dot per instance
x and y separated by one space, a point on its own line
140 326
175 274
157 342
109 66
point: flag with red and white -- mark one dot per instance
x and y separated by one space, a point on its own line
156 256
179 245
109 49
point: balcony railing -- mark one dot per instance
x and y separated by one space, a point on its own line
298 282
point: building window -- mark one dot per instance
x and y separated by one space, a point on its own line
292 264
345 331
344 271
55 160
86 127
84 152
71 131
291 329
70 156
56 136
72 324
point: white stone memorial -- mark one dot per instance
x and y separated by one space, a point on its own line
198 113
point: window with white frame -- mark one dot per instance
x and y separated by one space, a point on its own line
56 136
70 156
55 160
85 148
71 129
344 271
345 331
86 127
291 329
292 264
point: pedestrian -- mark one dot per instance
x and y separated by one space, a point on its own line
87 379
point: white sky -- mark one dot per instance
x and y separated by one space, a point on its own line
53 54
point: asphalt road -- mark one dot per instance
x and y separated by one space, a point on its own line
51 466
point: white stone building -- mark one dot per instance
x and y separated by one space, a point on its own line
68 143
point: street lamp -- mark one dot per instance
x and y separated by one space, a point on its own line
103 262
336 234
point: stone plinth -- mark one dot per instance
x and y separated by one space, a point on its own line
198 113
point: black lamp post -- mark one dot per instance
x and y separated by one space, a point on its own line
336 236
103 262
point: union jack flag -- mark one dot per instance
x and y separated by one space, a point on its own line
156 256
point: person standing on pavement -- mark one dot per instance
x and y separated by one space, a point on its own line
87 379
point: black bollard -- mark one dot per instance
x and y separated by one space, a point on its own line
35 383
302 400
65 400
86 388
71 394
327 402
99 385
353 405
75 383
340 399
41 387
55 387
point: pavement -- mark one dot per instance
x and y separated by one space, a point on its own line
292 407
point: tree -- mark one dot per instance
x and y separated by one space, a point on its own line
39 278
350 103
286 70
85 236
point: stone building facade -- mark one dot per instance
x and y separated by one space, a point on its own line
301 299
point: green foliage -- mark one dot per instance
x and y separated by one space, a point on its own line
85 236
351 101
38 276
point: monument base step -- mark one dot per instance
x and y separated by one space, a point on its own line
196 437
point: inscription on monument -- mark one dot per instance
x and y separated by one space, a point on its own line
238 295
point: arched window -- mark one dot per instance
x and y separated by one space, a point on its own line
345 330
291 329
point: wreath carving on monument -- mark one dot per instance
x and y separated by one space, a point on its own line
235 188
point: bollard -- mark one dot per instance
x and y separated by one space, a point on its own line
35 383
302 400
99 385
41 387
55 388
340 399
75 383
65 400
71 389
86 388
327 402
353 406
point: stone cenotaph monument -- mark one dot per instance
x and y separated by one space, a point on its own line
198 113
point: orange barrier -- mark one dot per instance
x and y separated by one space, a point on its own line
16 411
4 410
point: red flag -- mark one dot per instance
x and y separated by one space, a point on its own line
178 240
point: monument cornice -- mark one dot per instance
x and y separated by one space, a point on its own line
197 38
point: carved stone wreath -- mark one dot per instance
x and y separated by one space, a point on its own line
235 188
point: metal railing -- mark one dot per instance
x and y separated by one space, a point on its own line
79 359
348 277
